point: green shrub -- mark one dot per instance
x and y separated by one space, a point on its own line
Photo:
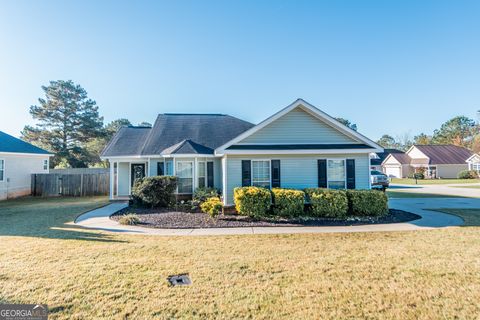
367 203
155 191
252 201
129 219
288 202
202 194
328 203
468 174
213 206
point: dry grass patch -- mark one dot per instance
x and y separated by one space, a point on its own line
407 275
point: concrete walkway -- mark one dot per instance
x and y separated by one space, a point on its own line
458 190
99 219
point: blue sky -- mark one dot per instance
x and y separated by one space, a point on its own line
390 66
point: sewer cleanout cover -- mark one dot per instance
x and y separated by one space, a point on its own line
179 280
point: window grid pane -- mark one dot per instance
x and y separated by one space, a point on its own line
185 177
336 174
261 173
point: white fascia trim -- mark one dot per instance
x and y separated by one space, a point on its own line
294 152
314 112
192 155
473 156
27 154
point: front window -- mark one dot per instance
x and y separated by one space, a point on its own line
261 173
169 168
2 169
201 174
336 174
185 177
45 164
476 167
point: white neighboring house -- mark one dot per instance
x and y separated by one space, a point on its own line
18 160
474 163
438 161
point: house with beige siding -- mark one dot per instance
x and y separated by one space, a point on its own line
298 147
18 160
436 161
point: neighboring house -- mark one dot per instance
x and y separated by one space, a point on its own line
474 162
18 160
298 147
376 159
437 161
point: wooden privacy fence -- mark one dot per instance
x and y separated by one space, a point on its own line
72 185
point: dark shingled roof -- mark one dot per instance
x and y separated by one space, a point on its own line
127 141
402 158
15 145
177 134
445 154
383 155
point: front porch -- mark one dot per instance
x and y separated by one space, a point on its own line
192 173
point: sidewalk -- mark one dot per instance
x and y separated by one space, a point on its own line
99 219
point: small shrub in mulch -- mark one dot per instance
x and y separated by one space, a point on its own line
129 219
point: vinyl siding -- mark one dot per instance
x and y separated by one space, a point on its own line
123 178
296 171
18 171
450 171
298 126
416 154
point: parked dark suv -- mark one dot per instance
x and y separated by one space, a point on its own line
379 180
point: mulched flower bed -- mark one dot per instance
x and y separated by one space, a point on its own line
168 219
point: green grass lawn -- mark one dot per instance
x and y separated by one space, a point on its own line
405 194
471 217
88 274
434 181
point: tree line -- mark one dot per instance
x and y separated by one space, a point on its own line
70 126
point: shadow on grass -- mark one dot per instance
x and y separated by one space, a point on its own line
49 218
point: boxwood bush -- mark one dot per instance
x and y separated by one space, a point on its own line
328 203
252 201
367 203
288 202
467 174
203 193
155 191
212 206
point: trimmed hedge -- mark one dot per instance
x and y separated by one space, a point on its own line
213 206
467 174
288 202
155 191
252 201
328 203
367 203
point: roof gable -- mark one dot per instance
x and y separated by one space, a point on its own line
300 123
10 144
475 158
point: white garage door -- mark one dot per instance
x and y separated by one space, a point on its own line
393 172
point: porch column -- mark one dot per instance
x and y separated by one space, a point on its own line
112 179
194 175
224 180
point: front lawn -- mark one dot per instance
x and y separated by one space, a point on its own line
405 194
471 217
87 274
434 181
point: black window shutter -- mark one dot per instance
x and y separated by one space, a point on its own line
275 173
246 173
350 173
322 173
210 174
160 171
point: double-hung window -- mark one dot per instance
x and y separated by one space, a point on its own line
185 176
2 169
45 164
261 173
169 168
202 174
336 174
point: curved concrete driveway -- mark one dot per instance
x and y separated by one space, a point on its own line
100 219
